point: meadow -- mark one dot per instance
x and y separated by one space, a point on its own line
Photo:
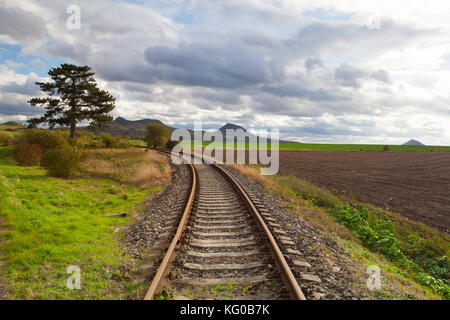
332 147
49 224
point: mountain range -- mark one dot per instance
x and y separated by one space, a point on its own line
136 129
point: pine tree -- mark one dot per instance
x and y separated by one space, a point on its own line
73 96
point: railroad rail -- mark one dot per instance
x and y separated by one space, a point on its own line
222 238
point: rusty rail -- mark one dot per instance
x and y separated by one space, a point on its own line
163 269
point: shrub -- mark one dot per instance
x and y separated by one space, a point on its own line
83 139
46 139
374 234
32 144
61 163
386 148
29 154
6 138
171 144
157 135
111 142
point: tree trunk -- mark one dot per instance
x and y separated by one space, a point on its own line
73 126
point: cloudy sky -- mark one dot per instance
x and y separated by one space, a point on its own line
341 71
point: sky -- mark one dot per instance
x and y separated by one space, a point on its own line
320 71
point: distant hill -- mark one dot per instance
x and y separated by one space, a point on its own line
136 129
413 142
231 126
11 126
124 127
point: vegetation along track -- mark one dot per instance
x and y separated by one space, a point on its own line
223 245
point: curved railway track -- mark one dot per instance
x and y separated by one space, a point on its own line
223 242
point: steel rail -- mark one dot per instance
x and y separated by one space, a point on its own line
286 272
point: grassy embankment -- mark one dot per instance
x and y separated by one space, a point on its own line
49 223
412 256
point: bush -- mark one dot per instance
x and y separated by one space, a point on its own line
6 138
46 139
171 144
111 142
61 163
374 234
157 135
83 139
32 144
386 148
29 154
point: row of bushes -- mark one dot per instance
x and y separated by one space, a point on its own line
56 152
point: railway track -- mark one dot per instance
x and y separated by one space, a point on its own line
223 246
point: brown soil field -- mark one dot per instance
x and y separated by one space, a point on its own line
414 184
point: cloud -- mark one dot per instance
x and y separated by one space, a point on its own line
259 63
29 88
311 63
226 65
13 64
20 25
350 76
37 62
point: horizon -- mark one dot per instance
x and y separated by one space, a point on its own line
191 127
321 72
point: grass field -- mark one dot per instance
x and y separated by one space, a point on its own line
335 147
357 147
49 224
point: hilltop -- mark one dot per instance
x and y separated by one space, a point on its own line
413 142
11 126
123 127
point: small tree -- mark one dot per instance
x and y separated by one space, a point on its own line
73 96
157 135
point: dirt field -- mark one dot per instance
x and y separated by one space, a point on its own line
415 184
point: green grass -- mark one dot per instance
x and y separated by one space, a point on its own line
335 147
357 147
54 223
137 142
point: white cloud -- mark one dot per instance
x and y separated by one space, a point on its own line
311 67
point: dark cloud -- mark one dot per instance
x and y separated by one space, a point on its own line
320 37
227 65
23 109
21 25
350 76
226 97
29 88
290 90
310 63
